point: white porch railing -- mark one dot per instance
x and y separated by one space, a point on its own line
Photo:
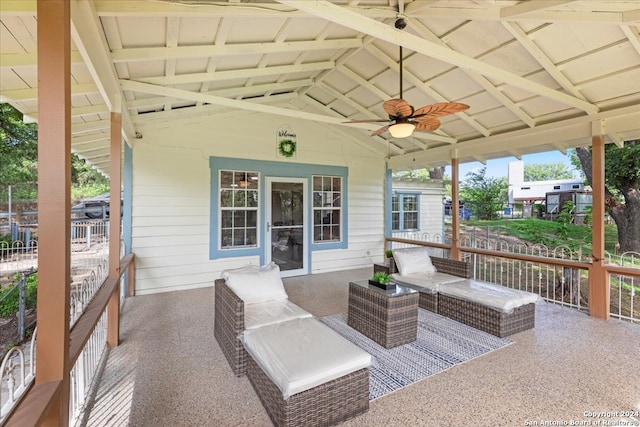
18 371
89 265
85 371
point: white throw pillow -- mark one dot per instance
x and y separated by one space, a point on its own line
413 260
255 284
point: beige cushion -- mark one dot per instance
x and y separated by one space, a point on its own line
498 297
300 354
270 312
427 282
413 260
255 284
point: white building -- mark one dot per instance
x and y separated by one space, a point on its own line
529 192
417 210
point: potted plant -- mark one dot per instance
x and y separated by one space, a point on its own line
382 280
390 261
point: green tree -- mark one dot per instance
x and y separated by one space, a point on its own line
622 188
433 173
19 161
547 171
484 195
18 148
86 181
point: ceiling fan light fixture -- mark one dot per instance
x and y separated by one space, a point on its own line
401 130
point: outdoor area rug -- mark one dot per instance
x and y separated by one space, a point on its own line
441 344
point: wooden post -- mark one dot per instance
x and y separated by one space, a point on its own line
54 202
115 208
599 297
455 210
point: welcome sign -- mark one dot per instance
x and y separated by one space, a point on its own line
286 142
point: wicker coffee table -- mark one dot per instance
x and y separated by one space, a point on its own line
390 318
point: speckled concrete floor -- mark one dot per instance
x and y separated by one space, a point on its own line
169 370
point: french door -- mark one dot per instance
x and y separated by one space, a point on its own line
286 225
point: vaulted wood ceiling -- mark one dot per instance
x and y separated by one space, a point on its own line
539 75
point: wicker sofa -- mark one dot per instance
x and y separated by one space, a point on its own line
340 397
458 270
450 292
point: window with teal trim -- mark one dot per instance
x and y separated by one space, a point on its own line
327 208
404 212
238 209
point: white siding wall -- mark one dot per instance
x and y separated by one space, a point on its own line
171 196
431 208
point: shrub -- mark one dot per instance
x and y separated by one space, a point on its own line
9 306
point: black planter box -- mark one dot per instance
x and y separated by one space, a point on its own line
390 286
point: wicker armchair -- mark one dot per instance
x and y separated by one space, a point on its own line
229 324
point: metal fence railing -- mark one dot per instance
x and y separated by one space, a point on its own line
89 270
562 285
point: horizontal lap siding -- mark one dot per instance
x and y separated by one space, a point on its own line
171 197
431 208
170 219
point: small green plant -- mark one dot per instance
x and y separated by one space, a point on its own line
388 253
9 306
382 277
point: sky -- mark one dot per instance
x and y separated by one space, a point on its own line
499 167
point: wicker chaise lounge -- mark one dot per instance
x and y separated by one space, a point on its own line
229 324
232 317
446 288
304 373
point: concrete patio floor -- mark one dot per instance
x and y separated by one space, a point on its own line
170 371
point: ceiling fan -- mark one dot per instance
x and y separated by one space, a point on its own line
403 118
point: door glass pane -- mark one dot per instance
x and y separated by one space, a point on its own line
287 216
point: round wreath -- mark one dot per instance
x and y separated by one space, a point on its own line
287 148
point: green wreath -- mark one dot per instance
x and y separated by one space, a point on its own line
287 148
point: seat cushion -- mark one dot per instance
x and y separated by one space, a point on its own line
494 296
413 260
255 284
270 312
300 354
427 282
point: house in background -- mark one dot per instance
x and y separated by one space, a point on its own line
417 209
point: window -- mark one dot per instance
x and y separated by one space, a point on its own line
404 212
556 187
239 205
576 186
525 188
327 208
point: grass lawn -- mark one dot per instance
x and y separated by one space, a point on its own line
549 233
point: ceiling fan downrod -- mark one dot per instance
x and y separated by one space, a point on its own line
401 67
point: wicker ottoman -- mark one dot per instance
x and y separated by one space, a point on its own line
475 312
306 374
325 405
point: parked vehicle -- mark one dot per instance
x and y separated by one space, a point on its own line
96 207
465 213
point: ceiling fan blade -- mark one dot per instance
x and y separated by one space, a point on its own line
368 121
427 125
439 110
380 131
397 108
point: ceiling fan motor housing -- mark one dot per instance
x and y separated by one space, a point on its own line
401 23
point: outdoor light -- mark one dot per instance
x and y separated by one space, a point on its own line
401 130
